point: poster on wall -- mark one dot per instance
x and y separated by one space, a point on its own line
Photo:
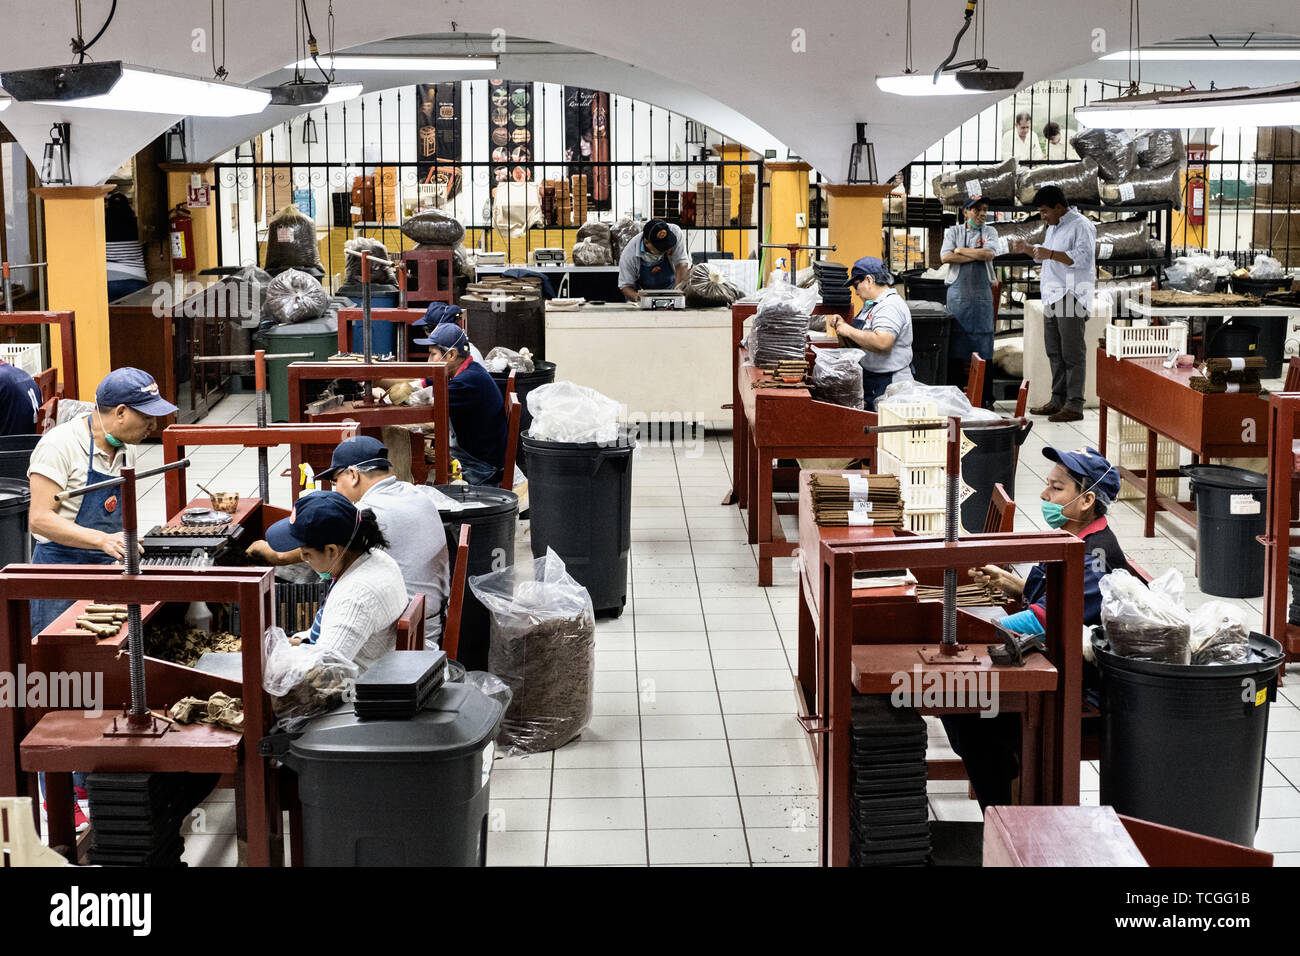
586 140
510 130
437 139
1038 123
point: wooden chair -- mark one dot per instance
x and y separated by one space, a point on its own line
514 409
410 626
19 839
1292 376
1022 402
975 380
456 601
1001 516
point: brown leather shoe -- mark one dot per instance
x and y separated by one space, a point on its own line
1066 415
1049 409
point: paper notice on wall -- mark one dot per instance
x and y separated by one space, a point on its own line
1126 192
1243 505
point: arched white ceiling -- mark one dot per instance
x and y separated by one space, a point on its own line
804 73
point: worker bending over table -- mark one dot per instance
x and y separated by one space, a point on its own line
408 517
882 328
81 452
1080 487
477 411
343 544
658 260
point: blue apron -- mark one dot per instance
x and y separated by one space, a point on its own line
99 511
970 300
657 275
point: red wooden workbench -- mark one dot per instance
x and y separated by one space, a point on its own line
858 640
67 323
59 742
350 317
373 416
1212 426
1280 528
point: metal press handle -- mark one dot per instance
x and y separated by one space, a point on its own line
114 482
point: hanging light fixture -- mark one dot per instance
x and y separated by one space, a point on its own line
862 159
303 92
949 79
1193 109
309 131
56 169
174 144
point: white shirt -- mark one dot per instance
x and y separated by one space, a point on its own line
1027 148
410 520
1061 150
361 611
62 456
629 262
1076 236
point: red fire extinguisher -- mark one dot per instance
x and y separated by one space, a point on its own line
182 240
1195 202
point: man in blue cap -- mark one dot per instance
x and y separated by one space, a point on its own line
81 452
408 516
658 260
476 408
1080 488
20 401
882 329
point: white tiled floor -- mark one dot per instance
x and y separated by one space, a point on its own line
693 755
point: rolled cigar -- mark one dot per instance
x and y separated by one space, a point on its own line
103 608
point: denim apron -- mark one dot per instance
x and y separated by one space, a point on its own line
99 511
656 275
970 300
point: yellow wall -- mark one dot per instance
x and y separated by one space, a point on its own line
856 221
204 220
735 241
77 275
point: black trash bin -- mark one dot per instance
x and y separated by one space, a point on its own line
16 455
1183 744
1229 517
398 792
15 542
992 461
931 325
543 373
921 289
492 514
580 503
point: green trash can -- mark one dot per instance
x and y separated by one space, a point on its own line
314 337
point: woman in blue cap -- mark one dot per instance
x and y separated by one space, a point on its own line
1080 487
81 452
968 251
882 328
343 544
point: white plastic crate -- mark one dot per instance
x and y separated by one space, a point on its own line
924 520
921 486
26 356
1126 442
926 447
1145 341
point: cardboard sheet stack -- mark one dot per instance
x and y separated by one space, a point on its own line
1222 375
856 500
888 810
578 199
712 205
556 198
748 184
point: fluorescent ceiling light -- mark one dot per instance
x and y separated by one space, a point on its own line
1241 106
358 62
113 85
1209 53
922 84
312 94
